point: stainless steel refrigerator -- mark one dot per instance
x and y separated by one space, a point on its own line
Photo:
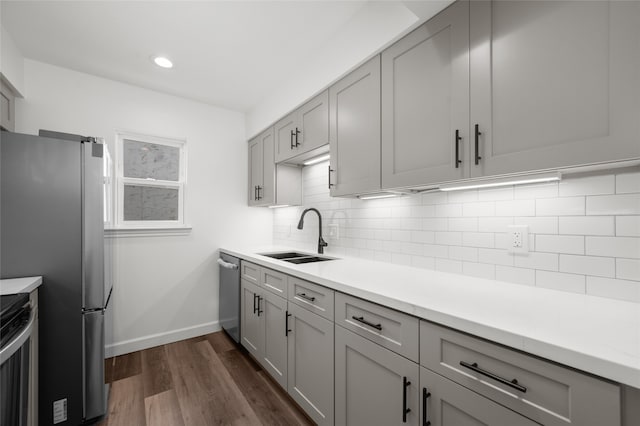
51 224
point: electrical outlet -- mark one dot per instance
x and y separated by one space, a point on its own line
334 231
518 239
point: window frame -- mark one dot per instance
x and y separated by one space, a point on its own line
121 181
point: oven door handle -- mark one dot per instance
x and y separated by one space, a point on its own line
13 347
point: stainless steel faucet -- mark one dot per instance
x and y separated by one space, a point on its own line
321 243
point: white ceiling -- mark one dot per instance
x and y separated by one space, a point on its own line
226 53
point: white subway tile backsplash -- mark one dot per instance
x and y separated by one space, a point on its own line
449 238
539 225
628 269
628 183
588 265
496 194
495 256
480 270
614 289
620 204
435 224
478 239
494 224
569 206
584 232
560 244
516 208
533 260
627 247
448 210
424 237
628 226
536 190
481 208
587 225
465 224
468 254
446 265
560 281
592 185
516 275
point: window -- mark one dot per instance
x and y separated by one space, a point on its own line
151 180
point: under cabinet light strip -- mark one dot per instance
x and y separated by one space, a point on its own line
516 180
278 206
316 160
377 196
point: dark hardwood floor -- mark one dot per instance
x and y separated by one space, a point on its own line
207 380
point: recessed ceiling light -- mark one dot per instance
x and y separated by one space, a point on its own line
163 62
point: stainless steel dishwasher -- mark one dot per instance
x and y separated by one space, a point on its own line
229 295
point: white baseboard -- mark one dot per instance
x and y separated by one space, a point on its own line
145 342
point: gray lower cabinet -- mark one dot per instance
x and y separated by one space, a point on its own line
425 102
354 131
373 385
252 324
310 347
445 403
263 329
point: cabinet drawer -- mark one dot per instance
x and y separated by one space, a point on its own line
250 272
313 297
274 281
538 389
387 327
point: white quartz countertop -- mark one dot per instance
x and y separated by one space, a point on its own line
593 334
19 285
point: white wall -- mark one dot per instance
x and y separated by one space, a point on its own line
374 26
167 287
11 62
584 231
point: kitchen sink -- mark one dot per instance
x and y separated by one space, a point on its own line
295 257
286 255
308 259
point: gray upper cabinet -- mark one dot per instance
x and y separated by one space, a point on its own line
445 403
425 102
7 107
354 131
553 84
271 184
303 130
374 386
310 358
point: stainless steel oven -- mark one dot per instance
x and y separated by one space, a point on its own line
16 325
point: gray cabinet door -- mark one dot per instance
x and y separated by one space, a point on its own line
274 357
311 363
285 135
425 102
255 169
553 83
313 123
354 131
252 323
7 108
449 404
267 192
370 383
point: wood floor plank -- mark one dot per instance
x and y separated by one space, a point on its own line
156 374
206 392
126 366
287 404
126 403
269 408
163 409
221 342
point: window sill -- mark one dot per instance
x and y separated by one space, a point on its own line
147 232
